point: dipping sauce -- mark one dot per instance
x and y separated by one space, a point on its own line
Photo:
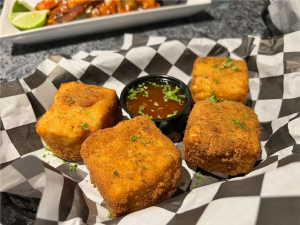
157 100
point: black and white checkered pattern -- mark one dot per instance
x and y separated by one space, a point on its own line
285 15
274 76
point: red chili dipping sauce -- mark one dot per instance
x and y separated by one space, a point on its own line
157 100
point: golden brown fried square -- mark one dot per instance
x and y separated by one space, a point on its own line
133 165
212 76
223 137
78 111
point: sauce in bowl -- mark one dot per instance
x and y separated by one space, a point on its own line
157 100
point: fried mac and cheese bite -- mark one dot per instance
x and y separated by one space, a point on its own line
133 165
224 78
78 111
223 137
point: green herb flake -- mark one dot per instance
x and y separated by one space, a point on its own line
73 167
152 110
215 65
153 84
161 108
222 74
171 94
212 98
151 117
217 81
133 137
235 68
64 162
84 126
53 155
218 107
109 215
197 175
246 116
44 156
144 167
206 76
156 104
142 107
67 89
169 115
71 101
204 61
46 148
237 122
48 162
217 143
194 185
228 60
159 116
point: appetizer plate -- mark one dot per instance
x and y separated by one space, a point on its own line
92 25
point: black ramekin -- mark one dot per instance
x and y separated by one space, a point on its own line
155 78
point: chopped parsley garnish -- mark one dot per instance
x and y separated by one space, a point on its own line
53 155
180 149
206 76
217 81
65 162
212 98
67 89
142 107
228 60
246 116
154 84
48 162
156 104
133 138
109 215
169 115
116 173
194 185
235 68
203 61
146 93
84 126
144 167
170 94
46 148
71 101
73 167
237 122
218 107
44 156
197 175
159 116
80 110
215 65
140 89
217 143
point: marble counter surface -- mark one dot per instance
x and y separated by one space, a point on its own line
221 19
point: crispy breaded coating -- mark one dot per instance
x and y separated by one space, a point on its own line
133 165
223 137
210 76
78 111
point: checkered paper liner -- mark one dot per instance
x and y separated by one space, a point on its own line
270 193
285 15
